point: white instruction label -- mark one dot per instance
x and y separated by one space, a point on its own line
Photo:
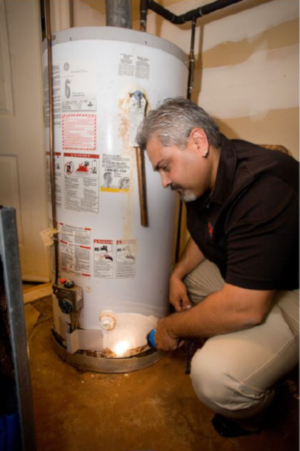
81 182
142 68
103 259
126 259
115 173
126 65
79 85
75 249
134 66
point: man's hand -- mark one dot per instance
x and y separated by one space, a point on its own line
165 340
179 297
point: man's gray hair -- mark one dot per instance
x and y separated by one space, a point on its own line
173 122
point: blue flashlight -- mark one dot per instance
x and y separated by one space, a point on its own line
151 338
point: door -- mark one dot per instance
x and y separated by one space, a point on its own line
22 154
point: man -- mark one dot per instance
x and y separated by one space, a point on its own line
235 284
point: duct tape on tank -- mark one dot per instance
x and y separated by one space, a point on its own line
47 236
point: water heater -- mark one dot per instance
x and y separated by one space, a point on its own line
105 80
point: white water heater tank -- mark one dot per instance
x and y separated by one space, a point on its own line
104 81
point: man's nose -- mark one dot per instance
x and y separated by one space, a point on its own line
165 180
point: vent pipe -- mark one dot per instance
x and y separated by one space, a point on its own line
118 13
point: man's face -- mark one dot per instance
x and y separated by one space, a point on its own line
183 170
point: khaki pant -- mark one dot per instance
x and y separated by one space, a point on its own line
235 374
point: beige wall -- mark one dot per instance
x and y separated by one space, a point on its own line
88 13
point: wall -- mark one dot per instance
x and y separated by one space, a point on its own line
88 13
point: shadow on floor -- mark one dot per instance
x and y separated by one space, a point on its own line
151 409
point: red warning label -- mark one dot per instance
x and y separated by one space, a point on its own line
79 131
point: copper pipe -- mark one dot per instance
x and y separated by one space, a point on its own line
51 135
142 186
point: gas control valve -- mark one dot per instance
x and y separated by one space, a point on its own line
69 295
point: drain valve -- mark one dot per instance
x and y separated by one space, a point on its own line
107 319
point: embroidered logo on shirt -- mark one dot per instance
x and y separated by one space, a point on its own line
210 229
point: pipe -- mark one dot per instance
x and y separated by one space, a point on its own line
191 60
118 13
189 95
143 14
142 187
51 133
71 13
190 15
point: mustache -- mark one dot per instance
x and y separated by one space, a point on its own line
175 187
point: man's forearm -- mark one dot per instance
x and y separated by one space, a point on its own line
190 259
228 310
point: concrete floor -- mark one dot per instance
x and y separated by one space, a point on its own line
151 409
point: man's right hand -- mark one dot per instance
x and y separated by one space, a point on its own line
179 297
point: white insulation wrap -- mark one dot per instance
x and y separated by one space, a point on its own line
121 266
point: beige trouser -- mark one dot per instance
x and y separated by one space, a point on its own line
235 374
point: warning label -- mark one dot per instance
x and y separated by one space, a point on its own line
115 173
79 131
126 259
75 249
103 259
81 182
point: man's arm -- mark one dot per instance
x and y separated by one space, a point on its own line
191 258
228 310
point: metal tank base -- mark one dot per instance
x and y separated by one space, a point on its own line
85 362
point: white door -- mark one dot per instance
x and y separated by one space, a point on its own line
22 155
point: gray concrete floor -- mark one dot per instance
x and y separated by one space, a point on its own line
150 409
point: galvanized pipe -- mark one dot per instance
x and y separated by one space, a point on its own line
118 13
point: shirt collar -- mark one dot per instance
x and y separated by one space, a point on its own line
226 171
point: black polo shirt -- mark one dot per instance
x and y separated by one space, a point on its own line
249 225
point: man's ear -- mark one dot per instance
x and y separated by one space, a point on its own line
199 139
